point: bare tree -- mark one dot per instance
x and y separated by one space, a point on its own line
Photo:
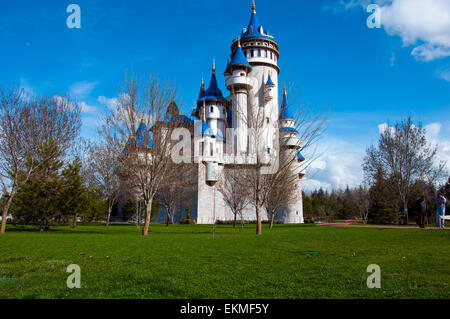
404 155
175 189
138 125
103 172
281 192
234 193
361 197
25 123
309 128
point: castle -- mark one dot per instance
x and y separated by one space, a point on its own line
251 76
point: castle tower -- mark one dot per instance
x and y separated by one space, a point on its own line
261 52
239 84
215 110
289 151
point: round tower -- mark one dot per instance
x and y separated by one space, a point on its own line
215 106
261 51
238 82
289 152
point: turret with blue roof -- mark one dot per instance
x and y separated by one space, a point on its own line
213 92
254 28
286 111
239 61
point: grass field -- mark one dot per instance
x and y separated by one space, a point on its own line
183 261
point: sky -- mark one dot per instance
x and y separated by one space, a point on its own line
360 78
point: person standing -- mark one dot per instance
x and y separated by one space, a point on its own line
440 202
421 208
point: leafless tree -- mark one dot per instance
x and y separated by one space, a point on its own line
103 171
361 197
25 123
146 158
281 192
310 128
175 189
235 195
404 155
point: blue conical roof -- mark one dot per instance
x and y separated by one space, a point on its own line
213 92
202 90
286 111
254 29
269 81
300 157
239 57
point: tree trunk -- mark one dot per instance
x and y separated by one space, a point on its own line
258 220
406 215
168 219
109 215
235 220
148 211
271 221
5 210
74 223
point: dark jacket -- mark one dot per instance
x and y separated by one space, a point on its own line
421 209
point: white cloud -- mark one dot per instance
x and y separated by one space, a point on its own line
341 162
111 103
81 89
339 166
436 137
444 74
86 108
425 25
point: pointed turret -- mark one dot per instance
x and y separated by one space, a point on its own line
254 28
213 92
239 60
286 112
269 82
202 90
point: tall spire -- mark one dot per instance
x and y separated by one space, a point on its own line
286 111
254 7
214 66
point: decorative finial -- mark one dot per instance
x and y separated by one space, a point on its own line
204 111
142 119
284 91
214 66
203 84
254 7
239 42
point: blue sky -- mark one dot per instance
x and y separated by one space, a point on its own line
360 77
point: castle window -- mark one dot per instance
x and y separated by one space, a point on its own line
267 120
211 147
253 53
259 52
212 109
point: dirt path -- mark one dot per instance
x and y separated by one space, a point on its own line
347 223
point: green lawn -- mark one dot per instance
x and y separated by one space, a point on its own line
183 261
